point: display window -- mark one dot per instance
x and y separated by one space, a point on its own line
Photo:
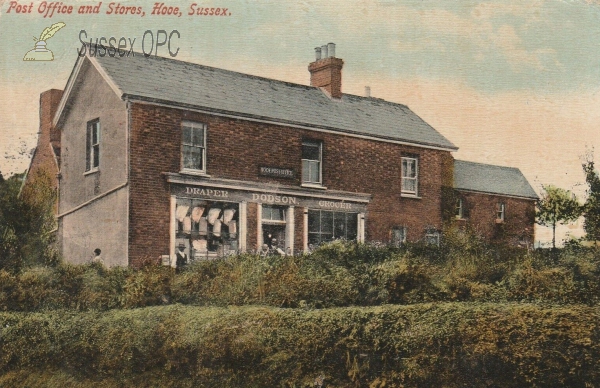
324 226
206 228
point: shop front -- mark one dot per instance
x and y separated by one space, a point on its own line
213 218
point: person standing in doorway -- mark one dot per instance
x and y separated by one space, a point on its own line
181 258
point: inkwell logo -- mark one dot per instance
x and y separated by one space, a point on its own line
40 52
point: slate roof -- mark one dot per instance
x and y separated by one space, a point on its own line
488 178
190 85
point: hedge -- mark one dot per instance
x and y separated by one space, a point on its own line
430 344
336 275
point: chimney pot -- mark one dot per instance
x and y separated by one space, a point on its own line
367 91
317 53
331 49
324 54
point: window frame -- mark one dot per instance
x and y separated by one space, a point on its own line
193 125
403 231
432 234
271 220
319 144
92 150
500 212
405 178
460 209
349 217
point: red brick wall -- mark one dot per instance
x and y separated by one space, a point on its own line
236 148
480 217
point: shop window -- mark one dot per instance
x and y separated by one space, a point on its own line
460 208
207 228
410 175
399 235
324 226
311 162
193 147
92 155
273 226
500 210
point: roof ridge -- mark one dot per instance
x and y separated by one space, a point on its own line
258 77
486 164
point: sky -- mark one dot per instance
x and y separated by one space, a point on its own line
514 83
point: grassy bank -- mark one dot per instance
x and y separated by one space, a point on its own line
430 344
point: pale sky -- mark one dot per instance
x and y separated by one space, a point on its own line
509 82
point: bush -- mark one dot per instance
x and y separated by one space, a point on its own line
337 274
451 345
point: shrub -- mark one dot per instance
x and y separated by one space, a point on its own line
444 344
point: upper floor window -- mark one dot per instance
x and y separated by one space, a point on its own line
92 154
311 162
500 210
460 208
410 175
193 144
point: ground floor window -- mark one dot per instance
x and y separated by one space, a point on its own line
274 226
206 227
326 226
432 236
399 235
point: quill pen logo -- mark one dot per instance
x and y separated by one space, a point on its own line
40 52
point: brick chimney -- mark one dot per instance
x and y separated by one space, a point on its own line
326 70
49 101
46 158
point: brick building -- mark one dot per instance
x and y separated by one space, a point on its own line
155 153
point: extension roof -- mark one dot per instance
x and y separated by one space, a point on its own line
491 179
212 90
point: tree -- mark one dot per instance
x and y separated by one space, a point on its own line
591 208
557 206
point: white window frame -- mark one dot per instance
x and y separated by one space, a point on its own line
460 209
272 221
403 231
92 149
434 235
306 180
194 125
406 178
500 211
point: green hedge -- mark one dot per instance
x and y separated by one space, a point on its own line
339 274
447 344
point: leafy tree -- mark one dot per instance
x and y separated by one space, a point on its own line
557 206
26 222
591 208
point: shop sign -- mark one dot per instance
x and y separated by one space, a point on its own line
268 198
273 198
276 172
